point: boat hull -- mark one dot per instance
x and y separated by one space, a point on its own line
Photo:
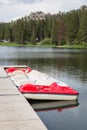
50 96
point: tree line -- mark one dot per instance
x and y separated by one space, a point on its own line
58 29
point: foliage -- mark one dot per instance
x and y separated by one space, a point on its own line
59 29
82 33
46 41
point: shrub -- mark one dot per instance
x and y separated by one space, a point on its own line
46 41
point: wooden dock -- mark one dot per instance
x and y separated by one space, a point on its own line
15 112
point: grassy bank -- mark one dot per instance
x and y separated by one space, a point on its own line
46 45
8 44
73 46
28 44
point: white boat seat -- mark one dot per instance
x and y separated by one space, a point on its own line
18 77
23 81
17 72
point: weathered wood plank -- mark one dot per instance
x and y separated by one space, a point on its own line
15 112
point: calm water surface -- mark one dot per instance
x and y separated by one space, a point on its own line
67 65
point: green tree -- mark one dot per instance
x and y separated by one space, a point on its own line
72 23
82 33
61 32
2 30
54 29
61 28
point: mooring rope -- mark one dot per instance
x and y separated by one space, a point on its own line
9 94
4 77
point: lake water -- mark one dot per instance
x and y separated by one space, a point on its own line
67 65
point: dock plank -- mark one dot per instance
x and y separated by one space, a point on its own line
15 112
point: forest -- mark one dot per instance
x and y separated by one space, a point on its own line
63 28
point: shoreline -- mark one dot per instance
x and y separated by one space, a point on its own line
31 45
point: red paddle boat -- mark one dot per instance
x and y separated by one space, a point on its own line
40 86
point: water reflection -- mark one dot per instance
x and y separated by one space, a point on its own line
58 114
50 60
52 105
67 65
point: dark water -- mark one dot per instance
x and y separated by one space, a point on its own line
67 65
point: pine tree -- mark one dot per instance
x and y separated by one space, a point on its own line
54 30
2 31
61 32
82 33
72 23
